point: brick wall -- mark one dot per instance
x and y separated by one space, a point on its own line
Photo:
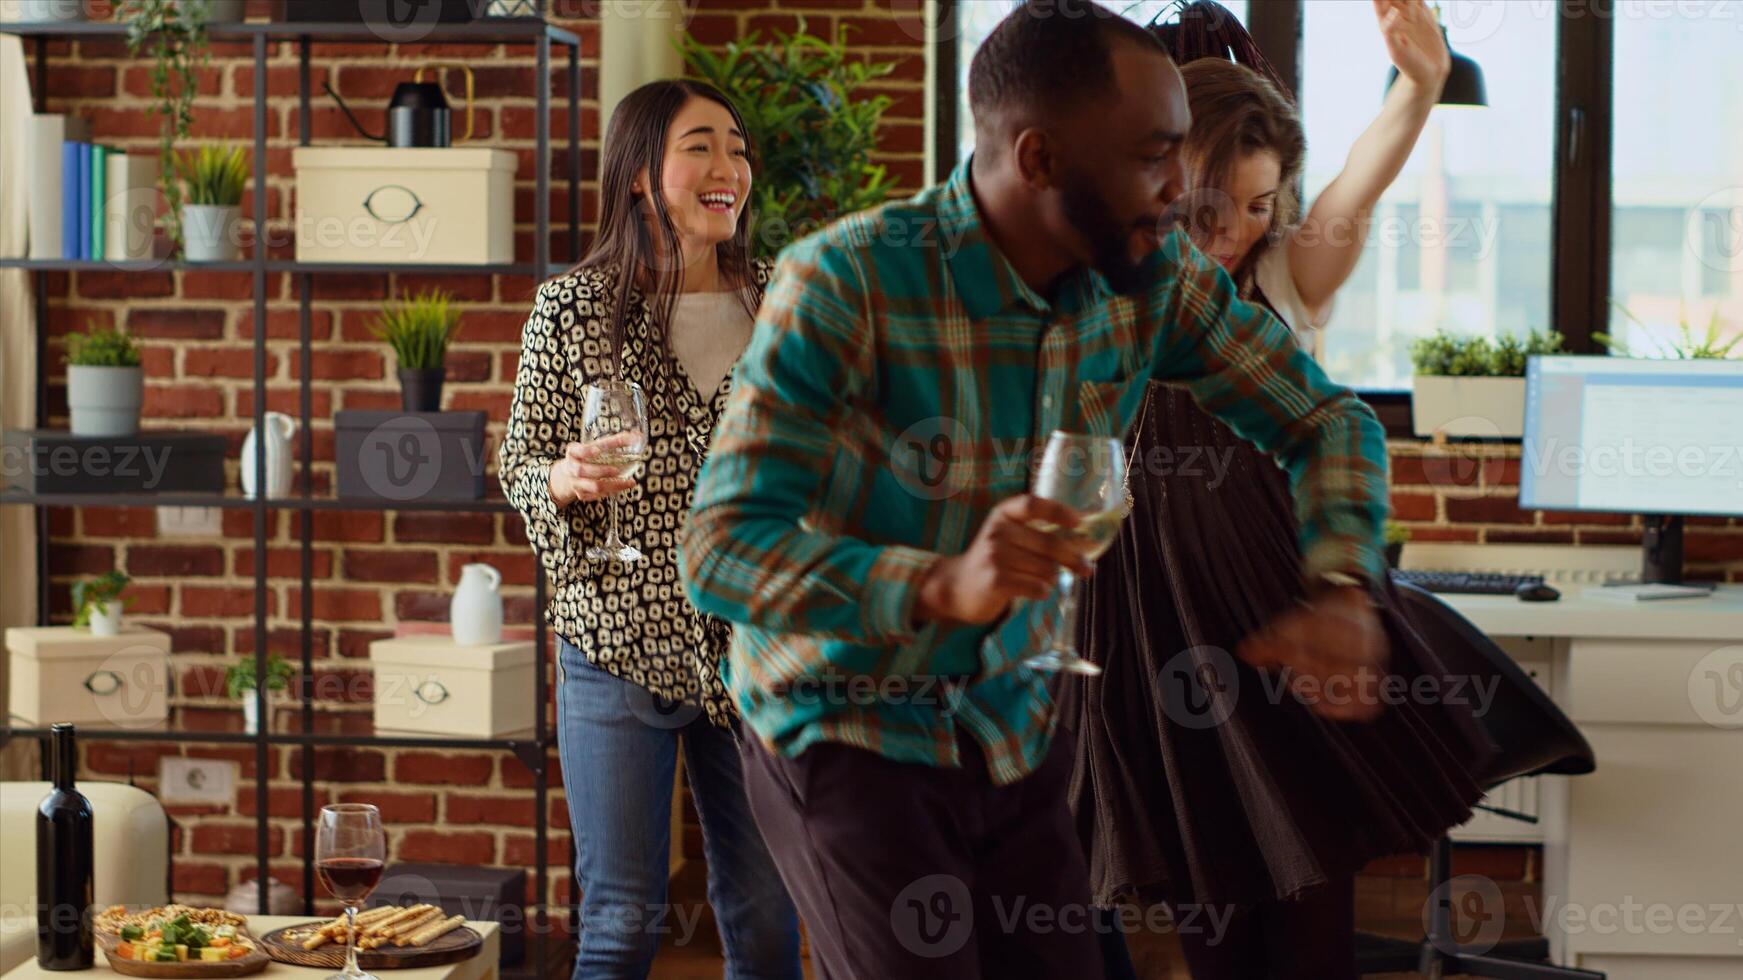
371 570
374 570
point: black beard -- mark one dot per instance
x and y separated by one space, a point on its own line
1090 217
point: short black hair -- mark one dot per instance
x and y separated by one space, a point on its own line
1048 56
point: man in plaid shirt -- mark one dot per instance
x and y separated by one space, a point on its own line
863 517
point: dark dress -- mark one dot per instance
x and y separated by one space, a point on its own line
1191 782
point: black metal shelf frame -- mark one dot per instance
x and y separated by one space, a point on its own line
531 752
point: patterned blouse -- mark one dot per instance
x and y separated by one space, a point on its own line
632 621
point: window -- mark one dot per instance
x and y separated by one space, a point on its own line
1676 247
1462 240
977 19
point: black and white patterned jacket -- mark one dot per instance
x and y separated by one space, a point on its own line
632 621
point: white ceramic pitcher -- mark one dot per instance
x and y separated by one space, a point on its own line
279 428
475 613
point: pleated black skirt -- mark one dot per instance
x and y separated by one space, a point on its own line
1196 778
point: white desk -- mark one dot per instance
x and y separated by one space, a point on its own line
1643 859
482 965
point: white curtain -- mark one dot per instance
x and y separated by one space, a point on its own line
17 360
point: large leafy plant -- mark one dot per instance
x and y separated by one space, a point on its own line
419 329
812 128
176 34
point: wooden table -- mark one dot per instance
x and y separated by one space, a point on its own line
481 966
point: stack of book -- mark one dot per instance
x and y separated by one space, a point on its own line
87 201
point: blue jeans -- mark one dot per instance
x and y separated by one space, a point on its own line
619 748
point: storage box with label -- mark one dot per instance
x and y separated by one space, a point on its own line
65 673
432 684
404 204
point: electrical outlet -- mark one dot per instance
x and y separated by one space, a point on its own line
189 522
185 780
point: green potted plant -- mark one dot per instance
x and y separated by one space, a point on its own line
812 128
99 603
1473 386
1710 344
175 33
1396 535
419 329
105 382
215 176
239 685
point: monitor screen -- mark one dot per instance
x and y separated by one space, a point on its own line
1631 435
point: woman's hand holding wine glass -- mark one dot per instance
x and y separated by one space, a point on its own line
350 848
581 475
615 416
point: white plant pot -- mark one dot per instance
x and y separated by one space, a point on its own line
209 233
104 401
106 619
1491 408
36 11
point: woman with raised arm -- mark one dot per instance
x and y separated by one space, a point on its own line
1201 781
665 299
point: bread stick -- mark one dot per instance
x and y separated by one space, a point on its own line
434 931
409 926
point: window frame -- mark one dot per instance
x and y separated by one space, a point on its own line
1580 201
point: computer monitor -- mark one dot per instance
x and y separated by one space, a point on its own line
1662 438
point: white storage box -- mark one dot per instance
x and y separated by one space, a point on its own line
431 684
64 673
1468 407
404 204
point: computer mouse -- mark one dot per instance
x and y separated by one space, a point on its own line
1537 592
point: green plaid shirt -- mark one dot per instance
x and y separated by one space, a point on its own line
898 381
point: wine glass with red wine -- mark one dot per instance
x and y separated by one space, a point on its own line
350 846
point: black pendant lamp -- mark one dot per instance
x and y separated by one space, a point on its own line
1464 83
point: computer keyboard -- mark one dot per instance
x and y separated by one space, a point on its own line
1468 583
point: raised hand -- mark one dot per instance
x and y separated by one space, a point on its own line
1414 42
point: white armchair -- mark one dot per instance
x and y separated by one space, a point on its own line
132 860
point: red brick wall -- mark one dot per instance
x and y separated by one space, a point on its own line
371 570
375 570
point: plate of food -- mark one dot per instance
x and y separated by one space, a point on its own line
177 941
388 937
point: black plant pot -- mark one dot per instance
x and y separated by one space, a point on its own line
420 389
1394 553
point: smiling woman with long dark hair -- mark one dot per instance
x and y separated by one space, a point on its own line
664 298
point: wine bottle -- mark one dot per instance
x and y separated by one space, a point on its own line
64 865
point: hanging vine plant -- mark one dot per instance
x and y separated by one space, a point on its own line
175 32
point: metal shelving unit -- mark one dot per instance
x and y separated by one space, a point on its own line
530 748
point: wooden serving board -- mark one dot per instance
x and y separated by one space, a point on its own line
254 962
286 946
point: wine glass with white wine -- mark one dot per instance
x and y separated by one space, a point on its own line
1087 474
616 408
